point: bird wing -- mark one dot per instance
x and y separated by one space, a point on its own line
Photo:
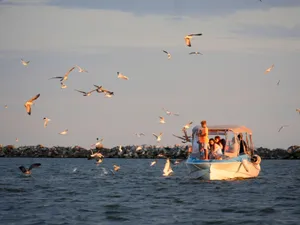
70 70
188 41
45 122
192 53
195 34
34 98
23 169
97 86
55 78
155 135
165 52
34 165
81 91
28 108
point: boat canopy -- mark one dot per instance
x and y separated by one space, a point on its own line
223 129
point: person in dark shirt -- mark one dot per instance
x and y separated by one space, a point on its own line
243 145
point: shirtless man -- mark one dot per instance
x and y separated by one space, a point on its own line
203 139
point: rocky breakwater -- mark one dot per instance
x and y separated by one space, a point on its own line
133 151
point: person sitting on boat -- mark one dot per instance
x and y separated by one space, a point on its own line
215 150
218 142
203 139
243 145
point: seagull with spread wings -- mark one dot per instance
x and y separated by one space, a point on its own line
188 38
269 69
158 137
64 132
86 93
28 171
169 113
25 63
195 53
29 103
65 77
121 76
162 120
188 125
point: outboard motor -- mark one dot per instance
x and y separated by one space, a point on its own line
256 159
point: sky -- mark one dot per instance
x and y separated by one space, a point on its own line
225 85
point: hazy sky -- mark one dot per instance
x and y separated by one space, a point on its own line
225 85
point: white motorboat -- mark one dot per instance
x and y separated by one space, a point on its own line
232 165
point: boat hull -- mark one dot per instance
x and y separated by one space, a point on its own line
234 168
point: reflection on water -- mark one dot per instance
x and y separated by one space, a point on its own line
78 191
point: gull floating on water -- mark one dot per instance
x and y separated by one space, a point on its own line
158 137
282 127
64 132
29 103
168 54
46 120
116 167
81 70
188 38
28 171
25 63
269 69
121 76
65 77
195 53
85 93
162 119
167 170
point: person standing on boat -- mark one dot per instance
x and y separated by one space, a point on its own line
203 139
243 145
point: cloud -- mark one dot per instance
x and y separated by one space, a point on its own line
52 28
269 31
176 7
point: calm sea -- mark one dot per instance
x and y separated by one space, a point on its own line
77 191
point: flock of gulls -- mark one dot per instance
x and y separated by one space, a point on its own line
167 171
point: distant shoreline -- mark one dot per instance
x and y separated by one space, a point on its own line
129 152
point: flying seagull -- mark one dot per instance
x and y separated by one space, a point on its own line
64 132
188 38
5 106
167 170
121 76
187 126
278 82
98 156
65 77
269 69
28 171
25 63
298 110
282 127
81 70
29 103
46 120
158 137
109 94
17 139
169 113
85 93
139 134
162 120
169 55
195 53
